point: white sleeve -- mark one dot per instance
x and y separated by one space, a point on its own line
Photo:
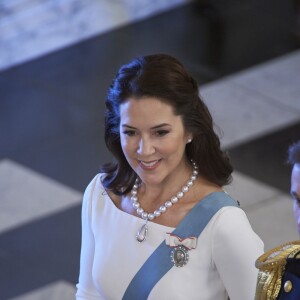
85 288
235 249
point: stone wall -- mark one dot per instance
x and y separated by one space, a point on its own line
31 28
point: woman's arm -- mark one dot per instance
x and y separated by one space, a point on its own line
85 288
235 249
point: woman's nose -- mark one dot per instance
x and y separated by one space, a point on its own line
145 147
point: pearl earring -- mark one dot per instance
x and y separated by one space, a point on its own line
189 140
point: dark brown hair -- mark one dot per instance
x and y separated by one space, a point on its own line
163 77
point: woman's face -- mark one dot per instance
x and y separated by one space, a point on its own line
153 139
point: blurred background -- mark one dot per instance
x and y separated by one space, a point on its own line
57 59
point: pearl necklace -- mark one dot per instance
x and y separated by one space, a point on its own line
142 233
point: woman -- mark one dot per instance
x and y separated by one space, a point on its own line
156 223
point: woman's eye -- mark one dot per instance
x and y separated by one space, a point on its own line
129 132
162 132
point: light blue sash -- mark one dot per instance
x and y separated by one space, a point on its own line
159 263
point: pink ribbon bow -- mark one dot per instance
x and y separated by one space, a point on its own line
173 240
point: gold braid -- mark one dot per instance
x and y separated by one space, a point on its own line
271 267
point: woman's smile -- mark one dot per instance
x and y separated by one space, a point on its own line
149 165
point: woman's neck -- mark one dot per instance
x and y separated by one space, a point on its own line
170 186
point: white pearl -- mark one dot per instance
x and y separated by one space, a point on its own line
133 192
174 199
195 172
193 178
151 216
134 198
190 183
144 215
139 211
135 186
157 213
185 189
179 195
162 209
168 204
136 205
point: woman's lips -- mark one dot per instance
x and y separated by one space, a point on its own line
149 165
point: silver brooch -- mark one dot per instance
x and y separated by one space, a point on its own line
180 248
180 256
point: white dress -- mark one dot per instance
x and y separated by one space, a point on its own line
222 263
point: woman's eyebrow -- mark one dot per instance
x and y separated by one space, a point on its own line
125 125
160 125
154 127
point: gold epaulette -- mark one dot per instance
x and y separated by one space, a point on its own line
271 267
